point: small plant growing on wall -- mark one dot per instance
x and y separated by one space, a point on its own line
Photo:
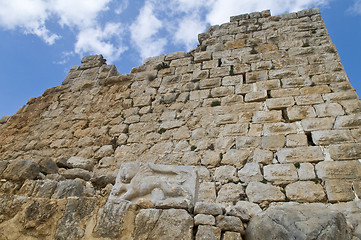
215 103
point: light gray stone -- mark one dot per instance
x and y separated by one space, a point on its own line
251 172
280 173
244 210
229 223
69 188
145 222
338 169
232 236
206 232
203 219
225 174
79 162
305 191
208 208
230 193
258 192
300 154
293 222
306 171
207 192
74 173
20 170
262 156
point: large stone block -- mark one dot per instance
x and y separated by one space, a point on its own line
300 154
331 137
258 192
339 191
338 169
346 151
20 170
305 191
163 185
280 173
292 221
206 232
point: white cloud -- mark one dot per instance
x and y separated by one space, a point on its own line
355 8
144 31
96 40
27 15
122 6
80 13
223 9
188 30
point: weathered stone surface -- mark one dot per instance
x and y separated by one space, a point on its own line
262 156
339 191
77 211
306 171
251 172
258 192
280 173
77 173
145 222
345 151
305 191
225 174
69 188
207 192
244 210
338 169
232 236
229 223
230 193
206 232
47 166
203 219
208 208
300 154
164 185
331 137
292 222
79 162
20 170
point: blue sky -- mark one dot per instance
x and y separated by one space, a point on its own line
41 39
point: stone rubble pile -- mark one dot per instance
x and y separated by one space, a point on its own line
262 109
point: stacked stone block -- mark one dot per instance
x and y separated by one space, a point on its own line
262 108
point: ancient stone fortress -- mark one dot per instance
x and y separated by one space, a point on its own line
255 134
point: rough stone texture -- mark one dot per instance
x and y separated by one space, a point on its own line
262 107
205 232
293 222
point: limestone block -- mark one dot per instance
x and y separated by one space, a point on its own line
229 223
233 99
219 71
181 62
351 106
207 192
77 211
225 174
345 151
309 99
296 140
338 169
339 96
339 191
258 192
292 221
300 154
206 232
4 119
175 55
199 94
267 116
256 96
280 173
251 172
79 162
47 166
279 103
145 222
230 193
172 124
235 129
318 89
262 156
329 110
273 142
20 170
282 73
210 64
226 118
244 210
279 128
347 122
209 83
314 124
203 219
92 61
164 185
69 188
104 151
252 77
331 137
208 208
235 157
232 80
232 236
190 158
248 142
285 92
305 191
74 173
202 56
199 74
222 91
210 158
306 171
295 113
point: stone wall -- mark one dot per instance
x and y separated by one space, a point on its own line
262 110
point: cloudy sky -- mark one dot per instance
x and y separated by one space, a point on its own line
41 39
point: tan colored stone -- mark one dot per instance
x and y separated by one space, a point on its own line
273 142
279 103
296 113
300 154
305 191
296 140
258 192
331 137
338 169
280 173
267 116
256 96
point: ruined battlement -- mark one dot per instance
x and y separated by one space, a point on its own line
258 121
